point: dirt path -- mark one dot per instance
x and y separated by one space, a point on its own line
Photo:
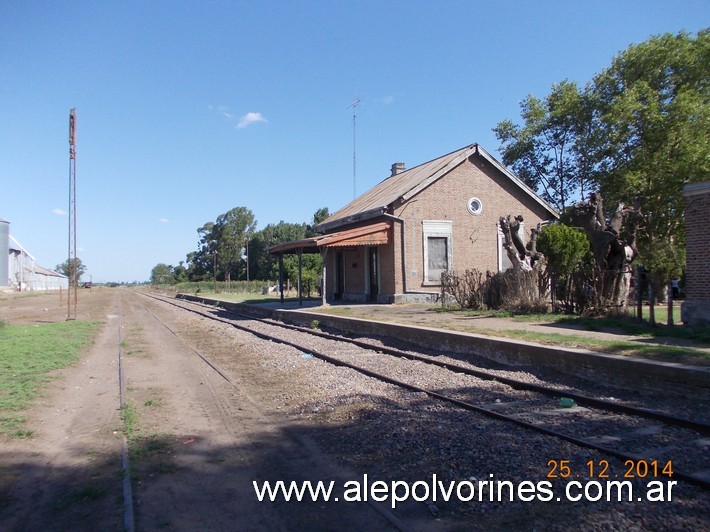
200 440
198 443
65 476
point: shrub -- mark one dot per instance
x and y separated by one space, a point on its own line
566 250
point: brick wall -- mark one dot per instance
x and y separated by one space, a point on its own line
696 308
474 236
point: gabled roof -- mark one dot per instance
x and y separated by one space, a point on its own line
405 185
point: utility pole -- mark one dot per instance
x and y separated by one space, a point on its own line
73 287
353 106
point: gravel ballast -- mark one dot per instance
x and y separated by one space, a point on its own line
393 434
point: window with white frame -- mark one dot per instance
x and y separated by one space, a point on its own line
437 249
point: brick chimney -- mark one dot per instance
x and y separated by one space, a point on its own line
397 168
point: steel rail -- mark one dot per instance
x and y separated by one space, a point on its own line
128 514
689 478
585 400
385 512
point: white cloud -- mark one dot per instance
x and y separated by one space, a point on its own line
224 111
163 220
59 212
221 110
250 118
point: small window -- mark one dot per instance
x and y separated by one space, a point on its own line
438 257
475 206
437 250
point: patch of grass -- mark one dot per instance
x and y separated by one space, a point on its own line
129 415
147 452
150 445
13 426
28 355
664 353
152 454
631 326
627 324
22 434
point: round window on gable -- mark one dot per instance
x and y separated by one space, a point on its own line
475 206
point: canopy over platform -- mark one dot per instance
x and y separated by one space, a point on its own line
369 235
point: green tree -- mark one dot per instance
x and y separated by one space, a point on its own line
548 151
180 273
638 134
221 247
200 262
311 272
319 216
64 268
230 232
162 274
262 264
653 113
566 249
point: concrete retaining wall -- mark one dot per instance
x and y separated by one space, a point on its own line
595 366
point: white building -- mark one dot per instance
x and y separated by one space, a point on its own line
25 274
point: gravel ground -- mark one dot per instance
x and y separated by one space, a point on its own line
392 434
285 398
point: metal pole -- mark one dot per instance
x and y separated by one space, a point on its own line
247 245
71 254
281 276
214 270
356 102
300 269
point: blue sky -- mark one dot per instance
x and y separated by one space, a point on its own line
188 109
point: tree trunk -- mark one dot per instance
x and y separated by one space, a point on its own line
613 247
527 265
670 321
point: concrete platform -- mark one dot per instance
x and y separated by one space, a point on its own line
615 369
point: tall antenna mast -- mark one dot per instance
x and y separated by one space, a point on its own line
72 260
354 105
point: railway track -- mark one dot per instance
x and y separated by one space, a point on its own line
648 441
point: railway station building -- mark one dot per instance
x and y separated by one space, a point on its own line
392 243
